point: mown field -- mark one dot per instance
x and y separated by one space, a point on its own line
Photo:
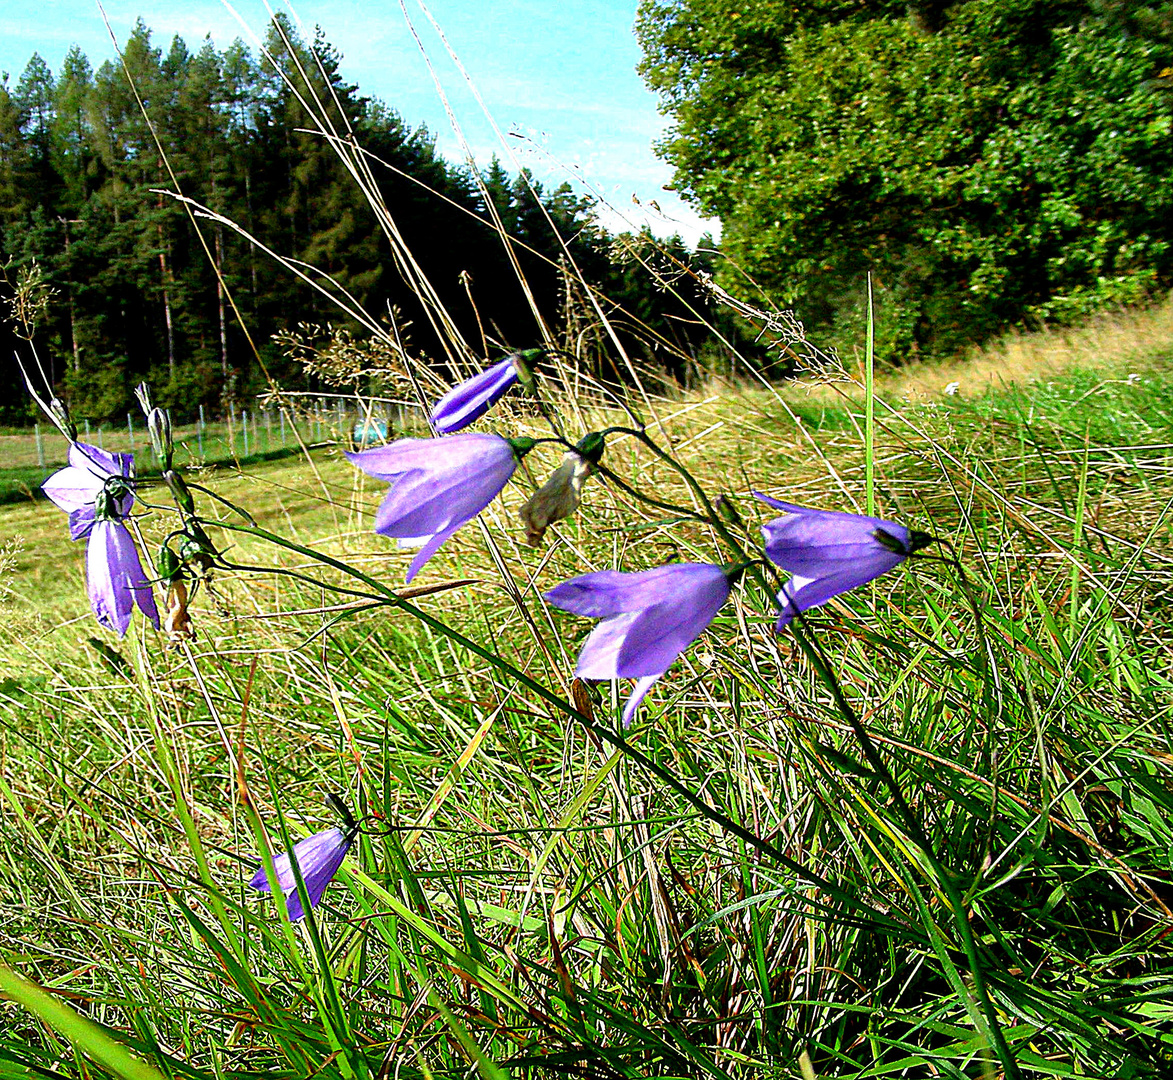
538 900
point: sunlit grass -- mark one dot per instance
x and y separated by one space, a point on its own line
570 909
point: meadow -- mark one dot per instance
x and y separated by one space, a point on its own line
739 884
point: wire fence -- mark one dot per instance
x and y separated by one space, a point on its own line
240 434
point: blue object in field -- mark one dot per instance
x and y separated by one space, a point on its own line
369 432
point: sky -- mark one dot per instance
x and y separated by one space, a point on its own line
557 76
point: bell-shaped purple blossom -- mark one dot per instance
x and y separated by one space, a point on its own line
116 579
95 490
649 619
828 552
472 398
318 858
437 485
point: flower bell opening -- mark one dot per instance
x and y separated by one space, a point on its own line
648 620
318 857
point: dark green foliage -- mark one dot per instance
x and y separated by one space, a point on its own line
137 279
988 161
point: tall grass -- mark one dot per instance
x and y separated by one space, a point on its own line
740 885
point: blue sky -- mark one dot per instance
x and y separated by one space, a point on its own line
558 77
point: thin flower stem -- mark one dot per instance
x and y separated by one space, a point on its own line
635 493
874 918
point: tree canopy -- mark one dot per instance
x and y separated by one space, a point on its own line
988 161
137 293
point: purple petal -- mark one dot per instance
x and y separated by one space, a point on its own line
645 642
81 522
660 634
422 503
637 695
73 489
318 857
110 599
77 485
803 593
599 656
438 485
99 462
115 578
609 592
403 455
472 398
812 543
427 551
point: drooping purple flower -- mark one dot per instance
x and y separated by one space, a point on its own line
95 490
472 398
438 485
828 552
649 619
318 858
115 577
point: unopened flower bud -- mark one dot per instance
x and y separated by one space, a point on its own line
557 498
727 510
176 619
180 491
158 425
168 565
59 414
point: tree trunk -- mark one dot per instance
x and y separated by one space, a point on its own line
69 292
220 300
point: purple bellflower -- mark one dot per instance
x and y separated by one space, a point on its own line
828 552
438 485
649 619
318 858
95 490
472 398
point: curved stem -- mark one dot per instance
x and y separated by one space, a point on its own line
874 917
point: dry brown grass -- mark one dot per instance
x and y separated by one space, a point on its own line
1114 342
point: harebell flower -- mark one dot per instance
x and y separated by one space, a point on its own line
828 552
318 857
438 485
649 619
96 490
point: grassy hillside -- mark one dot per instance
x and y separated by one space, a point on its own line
535 900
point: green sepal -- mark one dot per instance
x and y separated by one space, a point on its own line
526 362
106 504
893 543
521 445
591 447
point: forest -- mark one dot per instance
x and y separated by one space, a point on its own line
985 164
991 163
142 288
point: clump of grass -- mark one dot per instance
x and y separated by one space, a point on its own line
737 886
555 906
